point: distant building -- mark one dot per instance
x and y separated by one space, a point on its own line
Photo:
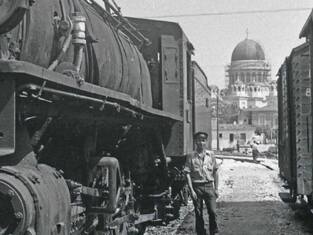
249 76
230 134
251 90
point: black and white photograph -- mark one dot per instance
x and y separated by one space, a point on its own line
156 117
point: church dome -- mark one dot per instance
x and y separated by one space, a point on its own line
248 50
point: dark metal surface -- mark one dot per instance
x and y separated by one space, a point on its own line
169 59
171 84
295 121
11 12
39 199
7 116
302 117
152 54
284 128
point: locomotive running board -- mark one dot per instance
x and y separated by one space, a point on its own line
39 75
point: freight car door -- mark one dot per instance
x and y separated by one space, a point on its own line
171 81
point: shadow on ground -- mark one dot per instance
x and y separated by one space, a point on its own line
256 218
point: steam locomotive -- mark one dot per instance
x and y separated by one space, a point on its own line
295 120
96 115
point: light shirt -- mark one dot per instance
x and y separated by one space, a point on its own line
201 166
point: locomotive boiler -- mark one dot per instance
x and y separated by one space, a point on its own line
96 117
72 37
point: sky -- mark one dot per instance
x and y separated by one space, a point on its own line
215 36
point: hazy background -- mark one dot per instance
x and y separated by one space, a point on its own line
215 36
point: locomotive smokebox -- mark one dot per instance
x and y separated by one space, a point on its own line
11 13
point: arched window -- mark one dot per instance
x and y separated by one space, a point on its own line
239 88
255 89
235 89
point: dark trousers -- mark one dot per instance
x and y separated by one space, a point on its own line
206 193
255 154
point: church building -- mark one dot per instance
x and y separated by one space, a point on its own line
251 90
248 76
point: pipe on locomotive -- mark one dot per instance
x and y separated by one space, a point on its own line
76 35
79 38
65 46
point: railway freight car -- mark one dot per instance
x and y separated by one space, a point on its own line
284 155
96 118
202 100
295 122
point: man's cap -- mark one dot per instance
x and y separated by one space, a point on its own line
201 135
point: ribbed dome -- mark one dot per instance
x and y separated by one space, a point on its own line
248 50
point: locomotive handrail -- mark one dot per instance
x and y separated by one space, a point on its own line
123 23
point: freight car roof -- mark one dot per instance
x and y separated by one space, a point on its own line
195 65
300 48
305 30
37 72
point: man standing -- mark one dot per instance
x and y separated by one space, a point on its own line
255 151
202 177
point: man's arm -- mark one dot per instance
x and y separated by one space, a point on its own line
216 177
187 170
192 191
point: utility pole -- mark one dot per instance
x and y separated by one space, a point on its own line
217 124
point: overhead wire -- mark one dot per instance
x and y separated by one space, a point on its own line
230 13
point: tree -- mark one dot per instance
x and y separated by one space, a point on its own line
228 112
